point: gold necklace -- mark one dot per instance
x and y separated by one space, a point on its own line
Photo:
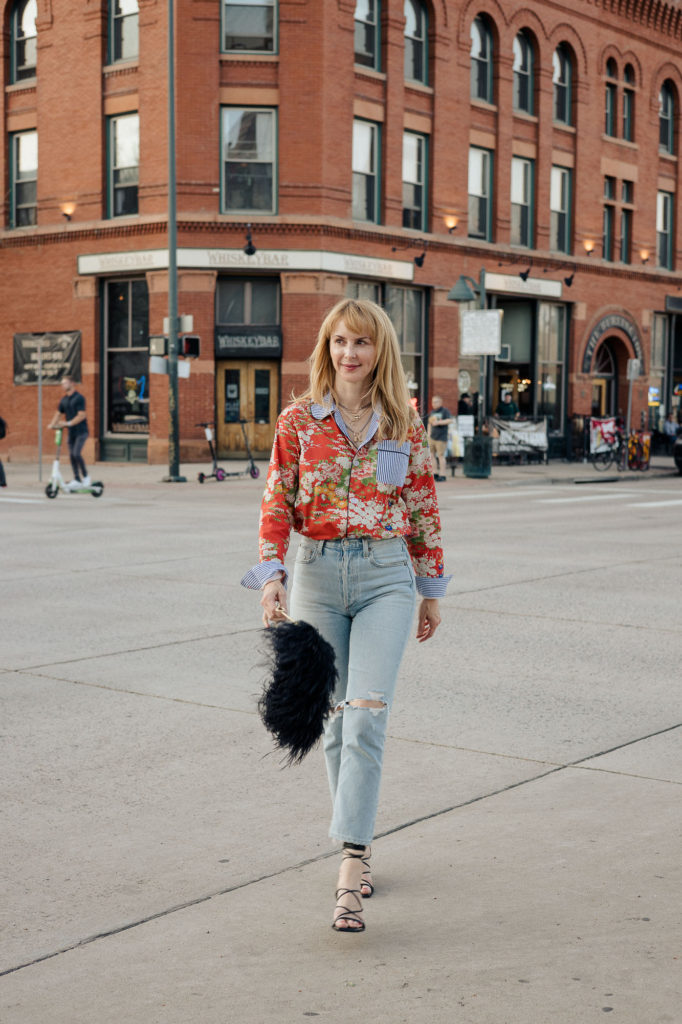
358 434
354 417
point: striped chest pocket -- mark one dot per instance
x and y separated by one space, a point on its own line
392 462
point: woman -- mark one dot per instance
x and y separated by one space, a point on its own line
351 472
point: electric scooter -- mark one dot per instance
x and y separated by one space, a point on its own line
219 473
57 482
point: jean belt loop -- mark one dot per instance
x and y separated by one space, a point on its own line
365 547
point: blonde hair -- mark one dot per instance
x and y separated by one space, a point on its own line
388 387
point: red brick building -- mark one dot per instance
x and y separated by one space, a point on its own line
332 147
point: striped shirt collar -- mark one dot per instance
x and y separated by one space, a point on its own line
329 407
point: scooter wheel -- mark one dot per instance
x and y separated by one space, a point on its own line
201 478
255 472
220 474
51 491
96 489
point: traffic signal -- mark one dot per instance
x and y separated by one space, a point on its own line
189 346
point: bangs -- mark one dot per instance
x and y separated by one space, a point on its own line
357 320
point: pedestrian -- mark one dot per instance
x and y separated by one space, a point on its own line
71 413
3 433
507 409
439 419
350 472
670 429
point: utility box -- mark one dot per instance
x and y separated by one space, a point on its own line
478 456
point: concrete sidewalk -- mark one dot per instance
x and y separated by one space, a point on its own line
160 868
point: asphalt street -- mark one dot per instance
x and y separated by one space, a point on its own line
158 863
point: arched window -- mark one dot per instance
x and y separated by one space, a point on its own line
416 42
563 84
367 43
24 50
629 103
610 97
666 118
123 30
481 60
524 86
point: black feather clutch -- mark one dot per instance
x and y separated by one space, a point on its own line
297 696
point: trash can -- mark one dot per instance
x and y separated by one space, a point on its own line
478 455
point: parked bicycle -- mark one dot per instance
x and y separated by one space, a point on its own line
632 454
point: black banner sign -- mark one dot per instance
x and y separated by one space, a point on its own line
242 343
52 355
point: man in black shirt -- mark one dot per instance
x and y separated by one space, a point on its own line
71 414
439 418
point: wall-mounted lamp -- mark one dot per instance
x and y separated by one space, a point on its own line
588 246
644 255
523 274
419 260
568 281
68 210
451 222
249 248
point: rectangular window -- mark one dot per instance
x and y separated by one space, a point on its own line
123 30
242 302
24 179
126 340
522 201
367 48
124 160
480 193
560 209
365 171
405 307
607 236
625 235
610 109
249 26
414 181
664 229
628 114
551 363
249 169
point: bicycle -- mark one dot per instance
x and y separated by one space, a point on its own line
614 453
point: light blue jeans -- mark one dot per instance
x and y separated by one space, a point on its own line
360 594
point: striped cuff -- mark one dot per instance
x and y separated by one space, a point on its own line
432 586
256 578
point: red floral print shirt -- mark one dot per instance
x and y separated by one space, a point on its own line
319 485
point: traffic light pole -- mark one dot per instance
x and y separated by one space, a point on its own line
173 411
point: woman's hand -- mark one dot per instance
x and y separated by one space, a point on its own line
273 601
429 618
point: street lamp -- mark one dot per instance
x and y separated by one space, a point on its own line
466 290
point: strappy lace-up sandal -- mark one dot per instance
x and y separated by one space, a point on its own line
344 896
366 880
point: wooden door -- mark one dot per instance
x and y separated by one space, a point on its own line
249 390
599 391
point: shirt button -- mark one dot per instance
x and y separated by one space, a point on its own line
389 527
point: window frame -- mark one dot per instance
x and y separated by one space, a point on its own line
373 175
563 86
483 199
524 75
114 20
246 282
24 72
667 118
417 41
375 25
274 179
628 111
110 352
482 67
561 233
112 167
14 155
421 183
224 4
528 206
664 234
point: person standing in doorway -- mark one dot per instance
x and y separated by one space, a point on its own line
71 413
439 419
3 431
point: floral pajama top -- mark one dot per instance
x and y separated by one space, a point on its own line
319 485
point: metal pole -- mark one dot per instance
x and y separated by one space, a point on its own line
482 301
173 412
40 411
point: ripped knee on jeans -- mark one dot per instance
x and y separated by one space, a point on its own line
375 703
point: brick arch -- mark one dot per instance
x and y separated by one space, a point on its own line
610 50
528 20
665 72
488 7
565 33
612 322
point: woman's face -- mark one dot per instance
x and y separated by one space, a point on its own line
353 355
